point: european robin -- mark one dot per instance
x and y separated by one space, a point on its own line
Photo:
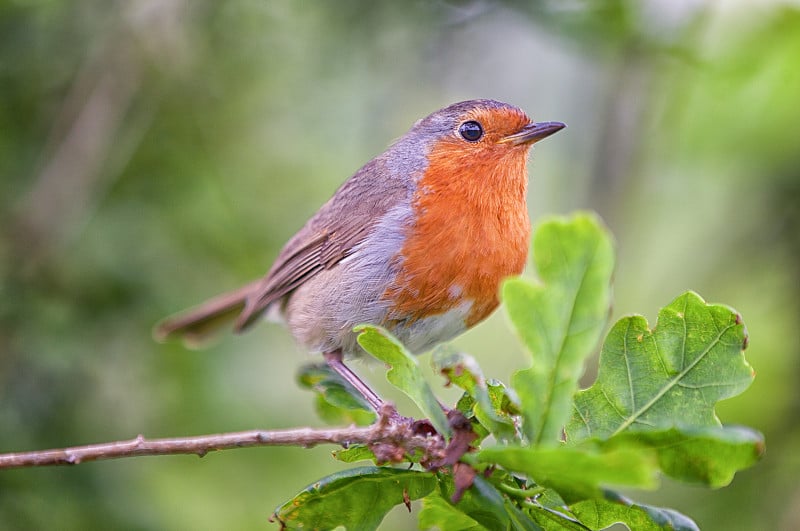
417 241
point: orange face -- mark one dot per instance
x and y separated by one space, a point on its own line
471 220
496 124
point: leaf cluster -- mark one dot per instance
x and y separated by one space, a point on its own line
546 455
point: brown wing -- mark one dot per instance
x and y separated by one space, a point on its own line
344 221
321 250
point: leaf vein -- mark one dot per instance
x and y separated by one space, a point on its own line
613 406
628 364
685 332
659 355
583 418
671 383
566 335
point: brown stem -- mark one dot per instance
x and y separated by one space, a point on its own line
383 431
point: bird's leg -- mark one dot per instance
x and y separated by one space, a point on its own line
335 362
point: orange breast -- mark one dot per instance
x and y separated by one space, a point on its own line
471 231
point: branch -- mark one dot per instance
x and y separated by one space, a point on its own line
398 432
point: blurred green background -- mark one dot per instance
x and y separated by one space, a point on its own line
156 152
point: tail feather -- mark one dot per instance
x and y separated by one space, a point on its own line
200 324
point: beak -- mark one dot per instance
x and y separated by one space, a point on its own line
532 133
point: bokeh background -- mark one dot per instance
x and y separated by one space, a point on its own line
156 152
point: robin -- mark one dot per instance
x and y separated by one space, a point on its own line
417 241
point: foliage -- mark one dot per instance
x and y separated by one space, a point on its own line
165 151
404 373
337 402
650 411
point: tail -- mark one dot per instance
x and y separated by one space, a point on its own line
198 325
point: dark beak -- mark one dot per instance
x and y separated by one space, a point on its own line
532 133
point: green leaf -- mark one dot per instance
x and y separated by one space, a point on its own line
404 373
492 405
554 520
357 452
504 401
357 499
440 513
577 472
360 452
499 506
481 504
670 376
601 513
560 321
337 401
481 507
466 406
551 499
520 520
708 456
550 511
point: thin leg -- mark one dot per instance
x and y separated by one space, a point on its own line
334 361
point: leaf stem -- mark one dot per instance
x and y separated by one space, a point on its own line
521 493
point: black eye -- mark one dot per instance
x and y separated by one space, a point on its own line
471 131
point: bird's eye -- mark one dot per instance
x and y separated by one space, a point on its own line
471 131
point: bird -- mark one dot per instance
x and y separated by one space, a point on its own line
417 241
